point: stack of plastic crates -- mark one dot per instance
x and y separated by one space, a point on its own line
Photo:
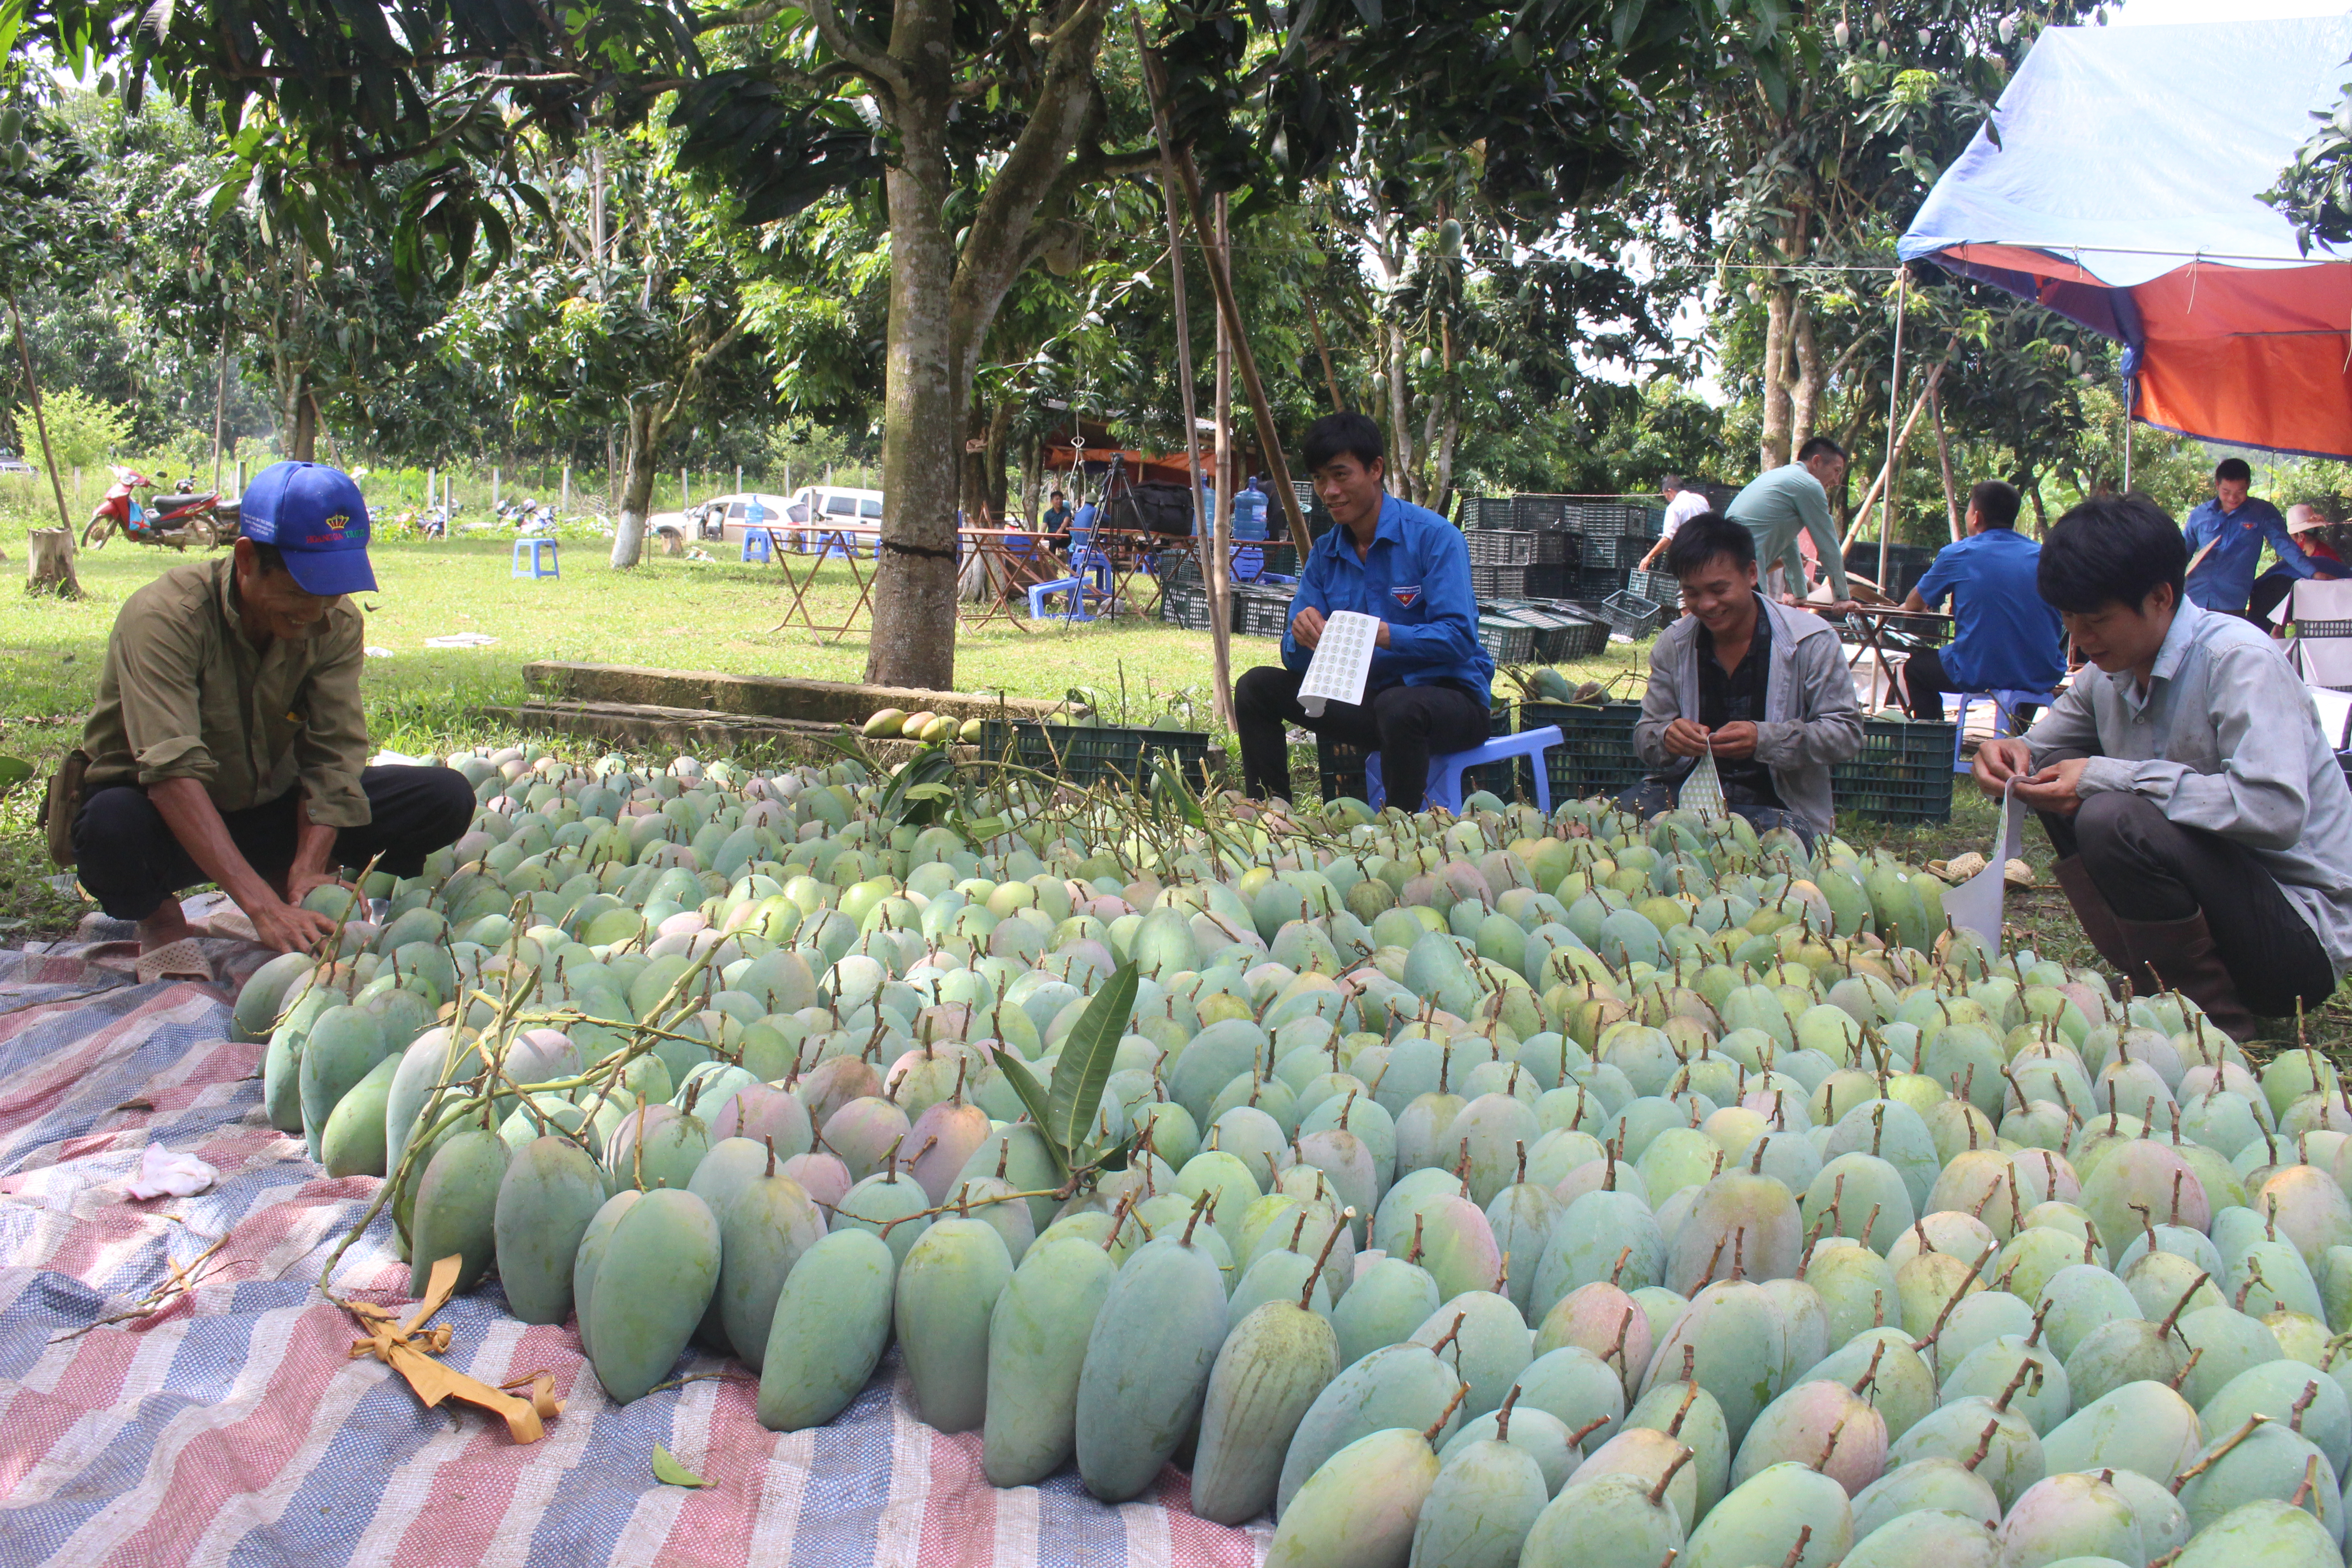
1595 753
1506 639
1903 775
1491 583
1501 546
1483 511
1562 632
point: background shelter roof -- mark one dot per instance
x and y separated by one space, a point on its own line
2118 182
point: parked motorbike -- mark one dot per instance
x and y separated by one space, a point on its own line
201 519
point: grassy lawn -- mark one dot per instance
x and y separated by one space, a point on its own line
720 615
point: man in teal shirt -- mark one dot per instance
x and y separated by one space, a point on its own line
1791 499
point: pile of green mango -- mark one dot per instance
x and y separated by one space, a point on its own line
1567 1192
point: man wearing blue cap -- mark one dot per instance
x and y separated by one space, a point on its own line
228 744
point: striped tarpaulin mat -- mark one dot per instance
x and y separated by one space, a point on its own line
226 1423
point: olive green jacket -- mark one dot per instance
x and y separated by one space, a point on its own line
186 695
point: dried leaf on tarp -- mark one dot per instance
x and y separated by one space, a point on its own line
670 1473
409 1348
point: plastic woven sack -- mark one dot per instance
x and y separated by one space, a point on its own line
1703 791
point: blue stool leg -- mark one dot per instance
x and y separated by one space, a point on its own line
1542 780
1376 794
1444 785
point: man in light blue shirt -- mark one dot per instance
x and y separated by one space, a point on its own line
2008 638
1791 499
2225 537
1430 682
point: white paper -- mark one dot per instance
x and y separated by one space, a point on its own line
161 1171
1342 662
1975 904
1702 791
2334 712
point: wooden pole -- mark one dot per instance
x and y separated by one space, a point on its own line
40 420
1220 624
220 406
1886 517
1315 325
1944 457
1155 80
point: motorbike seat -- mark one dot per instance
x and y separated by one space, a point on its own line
178 503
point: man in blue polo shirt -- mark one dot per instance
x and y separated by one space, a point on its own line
1407 567
2008 637
2225 539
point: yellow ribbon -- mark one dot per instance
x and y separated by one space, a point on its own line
409 1348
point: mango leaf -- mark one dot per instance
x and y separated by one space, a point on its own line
1033 1095
1087 1056
14 770
670 1473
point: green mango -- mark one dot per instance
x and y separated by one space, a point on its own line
1765 1519
947 1291
1400 1386
653 1282
281 1064
352 1142
1037 1335
550 1195
830 1326
765 1228
1944 1537
1605 1521
265 994
1384 1306
2262 1534
432 1059
1924 1486
1147 1361
589 1257
343 1046
456 1206
1478 1514
1360 1507
1278 1358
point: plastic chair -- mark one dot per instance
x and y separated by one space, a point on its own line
1076 588
1444 787
2005 704
534 567
758 546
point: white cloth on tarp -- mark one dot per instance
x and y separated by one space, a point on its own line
160 1172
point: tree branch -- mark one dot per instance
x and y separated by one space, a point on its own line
870 60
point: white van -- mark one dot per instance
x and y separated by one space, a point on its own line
723 519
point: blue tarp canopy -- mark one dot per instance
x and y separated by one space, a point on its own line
2119 182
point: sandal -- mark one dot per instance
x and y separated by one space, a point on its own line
182 960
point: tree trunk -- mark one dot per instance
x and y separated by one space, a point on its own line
1774 448
1447 441
972 468
1400 415
913 642
40 420
50 569
1811 378
996 460
305 445
638 455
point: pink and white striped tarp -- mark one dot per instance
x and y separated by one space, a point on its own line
230 1426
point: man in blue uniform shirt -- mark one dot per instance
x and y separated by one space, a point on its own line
1409 569
2008 638
2225 539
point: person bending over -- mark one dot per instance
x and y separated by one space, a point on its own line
1762 687
1408 568
229 744
1794 499
2202 823
2006 638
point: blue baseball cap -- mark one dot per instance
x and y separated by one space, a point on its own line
316 517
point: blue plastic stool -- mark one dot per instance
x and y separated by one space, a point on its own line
1076 588
534 567
2005 704
1444 787
758 545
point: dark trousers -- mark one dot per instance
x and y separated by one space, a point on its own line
1653 795
2151 869
1406 724
1925 683
2270 593
130 862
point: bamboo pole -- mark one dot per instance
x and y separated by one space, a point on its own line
1220 624
220 406
1895 438
1918 406
1155 80
1944 457
1219 566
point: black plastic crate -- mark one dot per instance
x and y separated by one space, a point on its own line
1086 755
1261 612
1595 753
1540 511
1501 546
1632 615
1499 581
1186 606
1593 584
1561 632
1483 511
1658 588
1904 772
1508 641
1613 551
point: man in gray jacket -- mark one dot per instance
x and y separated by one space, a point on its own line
2201 820
1761 687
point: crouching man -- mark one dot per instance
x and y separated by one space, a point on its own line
1408 568
1761 687
2202 825
229 744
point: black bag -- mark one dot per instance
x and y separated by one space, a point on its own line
1152 507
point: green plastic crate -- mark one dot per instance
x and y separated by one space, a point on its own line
1086 756
1903 773
1595 753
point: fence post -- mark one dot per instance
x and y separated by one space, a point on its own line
494 489
685 493
566 507
739 479
430 474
